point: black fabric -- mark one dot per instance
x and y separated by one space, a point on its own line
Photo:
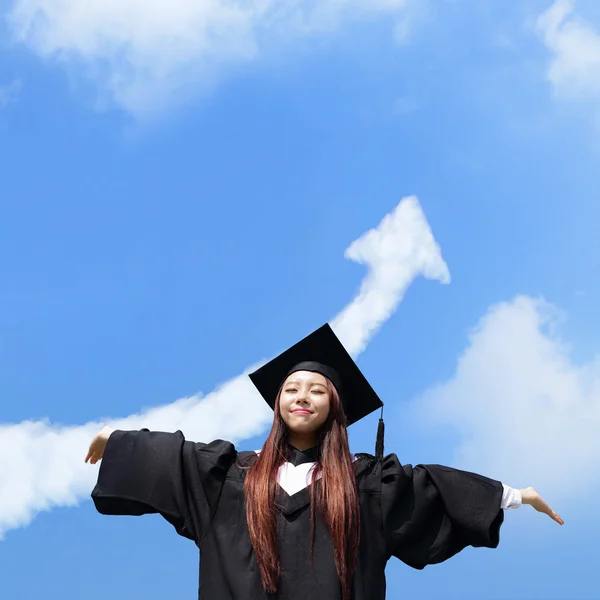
422 515
299 457
324 348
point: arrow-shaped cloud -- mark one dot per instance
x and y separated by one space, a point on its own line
41 465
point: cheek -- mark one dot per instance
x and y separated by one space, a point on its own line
285 418
324 407
284 409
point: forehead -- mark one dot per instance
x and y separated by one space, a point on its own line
307 377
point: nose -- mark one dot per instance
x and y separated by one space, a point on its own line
302 397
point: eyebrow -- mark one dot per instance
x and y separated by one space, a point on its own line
296 382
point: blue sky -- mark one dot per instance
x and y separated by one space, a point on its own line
183 188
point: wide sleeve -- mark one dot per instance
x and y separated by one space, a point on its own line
432 512
145 472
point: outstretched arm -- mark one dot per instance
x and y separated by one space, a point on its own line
145 472
432 512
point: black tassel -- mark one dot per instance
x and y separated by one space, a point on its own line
380 436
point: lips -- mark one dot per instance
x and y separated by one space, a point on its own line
301 411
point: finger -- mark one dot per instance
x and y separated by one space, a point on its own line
541 506
555 516
90 452
552 514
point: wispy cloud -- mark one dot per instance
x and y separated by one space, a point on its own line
525 411
9 93
42 464
574 68
144 55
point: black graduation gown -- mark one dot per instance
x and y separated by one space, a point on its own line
422 515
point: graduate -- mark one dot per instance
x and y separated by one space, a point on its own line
303 518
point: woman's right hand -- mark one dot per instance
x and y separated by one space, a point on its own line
96 451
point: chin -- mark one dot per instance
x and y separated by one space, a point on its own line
303 429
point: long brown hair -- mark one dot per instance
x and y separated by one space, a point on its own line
335 496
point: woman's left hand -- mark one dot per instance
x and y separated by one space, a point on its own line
530 496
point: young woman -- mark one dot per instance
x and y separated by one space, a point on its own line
303 518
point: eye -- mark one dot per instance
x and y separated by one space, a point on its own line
318 392
290 389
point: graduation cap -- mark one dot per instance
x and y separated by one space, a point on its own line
322 352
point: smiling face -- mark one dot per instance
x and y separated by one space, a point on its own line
304 403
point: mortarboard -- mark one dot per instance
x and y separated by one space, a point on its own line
322 352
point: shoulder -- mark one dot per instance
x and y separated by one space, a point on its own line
367 470
368 466
215 459
247 457
364 458
243 461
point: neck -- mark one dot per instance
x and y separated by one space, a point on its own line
302 441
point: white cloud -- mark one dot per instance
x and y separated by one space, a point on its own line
146 55
10 93
526 412
42 464
574 70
